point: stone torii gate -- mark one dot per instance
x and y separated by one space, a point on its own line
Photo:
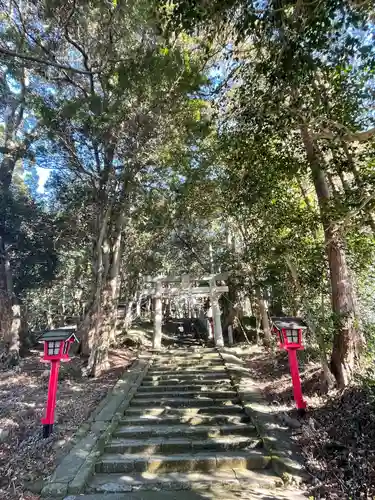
184 286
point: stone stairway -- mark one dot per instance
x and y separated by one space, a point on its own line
185 430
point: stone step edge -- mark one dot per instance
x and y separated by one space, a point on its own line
108 483
255 407
72 473
187 393
208 410
188 368
188 373
186 387
182 366
166 379
184 428
140 399
187 376
185 419
190 362
179 445
200 461
186 403
167 382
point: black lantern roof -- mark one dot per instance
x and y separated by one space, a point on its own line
58 334
289 323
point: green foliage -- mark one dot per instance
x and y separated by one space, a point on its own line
28 234
165 113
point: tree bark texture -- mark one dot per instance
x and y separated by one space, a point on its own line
348 341
264 317
10 323
10 309
103 315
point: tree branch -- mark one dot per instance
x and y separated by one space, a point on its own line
348 137
26 57
79 48
42 47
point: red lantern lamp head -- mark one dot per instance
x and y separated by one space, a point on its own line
289 331
57 344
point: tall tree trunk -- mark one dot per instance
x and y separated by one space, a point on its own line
138 306
5 305
86 329
115 278
276 304
98 360
348 341
128 318
88 326
10 310
13 339
263 317
9 326
106 319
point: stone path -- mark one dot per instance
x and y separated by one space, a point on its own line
185 436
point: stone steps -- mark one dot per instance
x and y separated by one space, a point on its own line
182 394
209 382
185 375
164 430
195 374
186 369
198 352
182 402
242 490
183 366
188 419
184 462
169 445
172 481
193 369
202 410
184 430
156 386
188 358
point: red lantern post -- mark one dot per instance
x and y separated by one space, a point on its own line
290 336
56 349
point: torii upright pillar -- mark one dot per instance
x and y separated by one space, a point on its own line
218 332
158 315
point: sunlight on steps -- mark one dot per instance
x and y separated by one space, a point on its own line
185 429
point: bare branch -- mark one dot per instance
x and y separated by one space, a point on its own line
78 47
26 57
348 137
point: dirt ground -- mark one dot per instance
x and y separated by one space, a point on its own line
26 458
337 434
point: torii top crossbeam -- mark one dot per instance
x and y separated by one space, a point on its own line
181 285
172 278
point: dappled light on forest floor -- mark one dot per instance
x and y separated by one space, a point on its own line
337 434
25 457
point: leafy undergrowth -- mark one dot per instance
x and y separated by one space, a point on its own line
26 458
337 434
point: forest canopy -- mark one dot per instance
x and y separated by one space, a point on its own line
195 137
